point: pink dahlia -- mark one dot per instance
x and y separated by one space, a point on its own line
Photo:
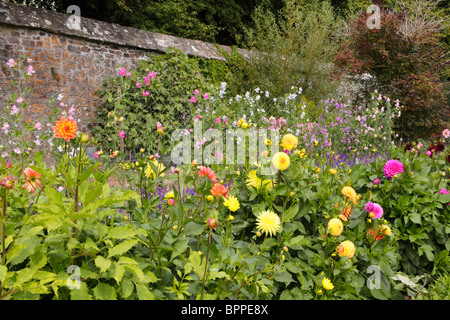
374 208
391 168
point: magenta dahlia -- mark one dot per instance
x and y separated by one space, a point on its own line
391 168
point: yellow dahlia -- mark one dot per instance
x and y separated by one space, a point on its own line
254 181
386 230
289 141
281 161
268 222
169 195
149 173
335 227
326 284
349 192
346 248
232 203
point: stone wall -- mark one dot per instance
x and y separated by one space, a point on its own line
72 57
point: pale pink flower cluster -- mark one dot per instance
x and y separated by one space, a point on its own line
276 123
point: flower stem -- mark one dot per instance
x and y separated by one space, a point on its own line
206 264
3 227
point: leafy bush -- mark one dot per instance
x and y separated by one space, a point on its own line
398 55
159 90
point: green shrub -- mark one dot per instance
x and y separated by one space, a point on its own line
126 108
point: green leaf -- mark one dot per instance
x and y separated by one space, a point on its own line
127 287
121 233
121 248
179 248
81 294
193 229
104 291
143 293
102 263
415 217
291 213
297 242
54 196
3 272
119 271
283 276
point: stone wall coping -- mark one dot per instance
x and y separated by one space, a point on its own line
104 32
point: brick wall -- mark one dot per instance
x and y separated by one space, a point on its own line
74 61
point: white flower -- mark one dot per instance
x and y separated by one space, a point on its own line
60 97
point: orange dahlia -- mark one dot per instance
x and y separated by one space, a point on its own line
382 231
219 190
66 128
208 172
32 182
345 213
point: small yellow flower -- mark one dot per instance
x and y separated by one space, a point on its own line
317 169
230 218
326 284
244 125
210 198
333 171
268 142
292 193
